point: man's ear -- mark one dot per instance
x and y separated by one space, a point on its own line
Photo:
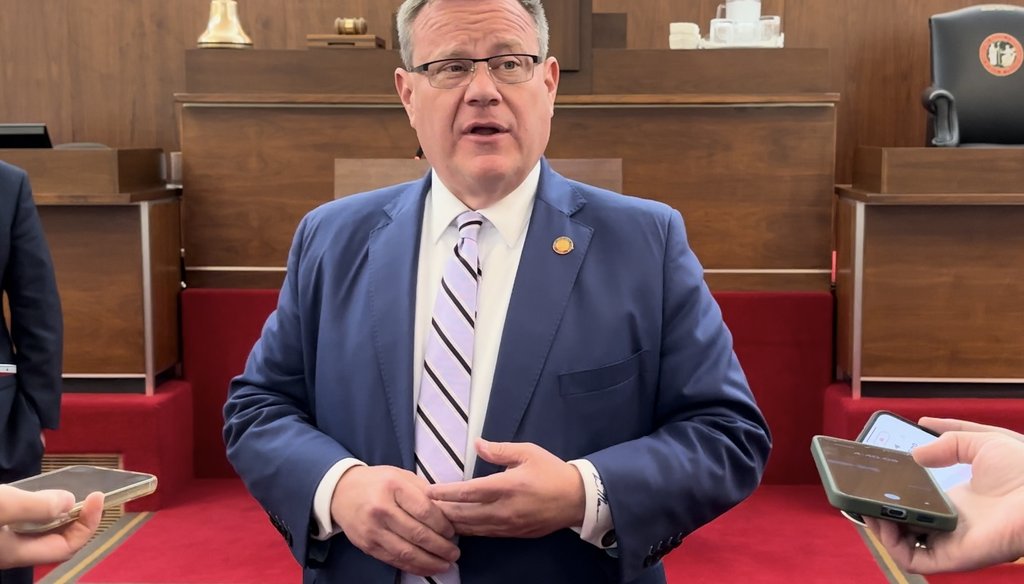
551 75
403 85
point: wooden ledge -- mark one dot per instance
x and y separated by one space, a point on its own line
100 199
695 99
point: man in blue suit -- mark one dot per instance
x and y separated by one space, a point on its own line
550 344
31 345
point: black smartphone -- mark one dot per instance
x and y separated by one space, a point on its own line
890 430
880 482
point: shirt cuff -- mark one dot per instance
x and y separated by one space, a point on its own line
325 526
598 528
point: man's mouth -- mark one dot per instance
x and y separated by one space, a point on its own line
485 129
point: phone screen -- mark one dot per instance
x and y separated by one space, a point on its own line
882 475
889 431
82 480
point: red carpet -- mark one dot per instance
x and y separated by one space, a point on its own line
782 534
1006 574
214 533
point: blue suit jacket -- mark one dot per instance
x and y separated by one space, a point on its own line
30 400
615 352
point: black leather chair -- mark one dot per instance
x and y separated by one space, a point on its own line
977 92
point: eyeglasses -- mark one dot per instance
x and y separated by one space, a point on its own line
452 73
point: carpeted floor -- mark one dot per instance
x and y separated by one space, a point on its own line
214 533
761 539
217 534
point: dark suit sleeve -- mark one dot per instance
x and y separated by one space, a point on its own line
710 444
37 328
269 415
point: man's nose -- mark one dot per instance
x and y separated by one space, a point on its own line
482 88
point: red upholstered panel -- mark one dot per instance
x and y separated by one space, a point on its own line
845 416
219 328
152 434
784 343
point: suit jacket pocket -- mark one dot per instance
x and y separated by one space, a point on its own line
601 378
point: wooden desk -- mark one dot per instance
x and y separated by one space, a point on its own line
746 156
930 284
114 232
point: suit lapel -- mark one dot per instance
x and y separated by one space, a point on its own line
393 264
542 288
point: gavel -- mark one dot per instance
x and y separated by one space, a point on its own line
350 25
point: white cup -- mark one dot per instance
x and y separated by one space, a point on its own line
746 32
722 31
740 10
769 28
675 28
683 41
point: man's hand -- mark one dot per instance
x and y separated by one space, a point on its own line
18 506
536 495
990 529
385 512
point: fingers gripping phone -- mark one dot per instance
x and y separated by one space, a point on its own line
881 482
889 430
117 486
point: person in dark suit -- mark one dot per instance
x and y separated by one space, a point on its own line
492 374
31 344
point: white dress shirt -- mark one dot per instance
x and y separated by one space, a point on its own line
500 244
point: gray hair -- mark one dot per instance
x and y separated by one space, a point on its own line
410 9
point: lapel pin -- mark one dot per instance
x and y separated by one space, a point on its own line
562 245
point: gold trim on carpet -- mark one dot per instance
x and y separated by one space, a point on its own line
101 545
883 555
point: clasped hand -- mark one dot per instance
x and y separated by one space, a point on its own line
399 518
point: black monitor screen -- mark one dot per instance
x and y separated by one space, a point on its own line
24 136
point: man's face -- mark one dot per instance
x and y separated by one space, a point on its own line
483 138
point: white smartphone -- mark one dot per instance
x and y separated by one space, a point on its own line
889 430
117 486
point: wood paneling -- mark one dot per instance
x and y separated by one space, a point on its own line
942 292
34 68
768 169
254 172
88 172
939 170
754 282
165 279
845 280
758 71
291 71
113 79
99 276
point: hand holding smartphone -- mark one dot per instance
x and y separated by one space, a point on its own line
117 486
881 482
889 430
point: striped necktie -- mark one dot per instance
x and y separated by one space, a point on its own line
442 412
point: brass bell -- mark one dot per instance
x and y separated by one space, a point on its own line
224 29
